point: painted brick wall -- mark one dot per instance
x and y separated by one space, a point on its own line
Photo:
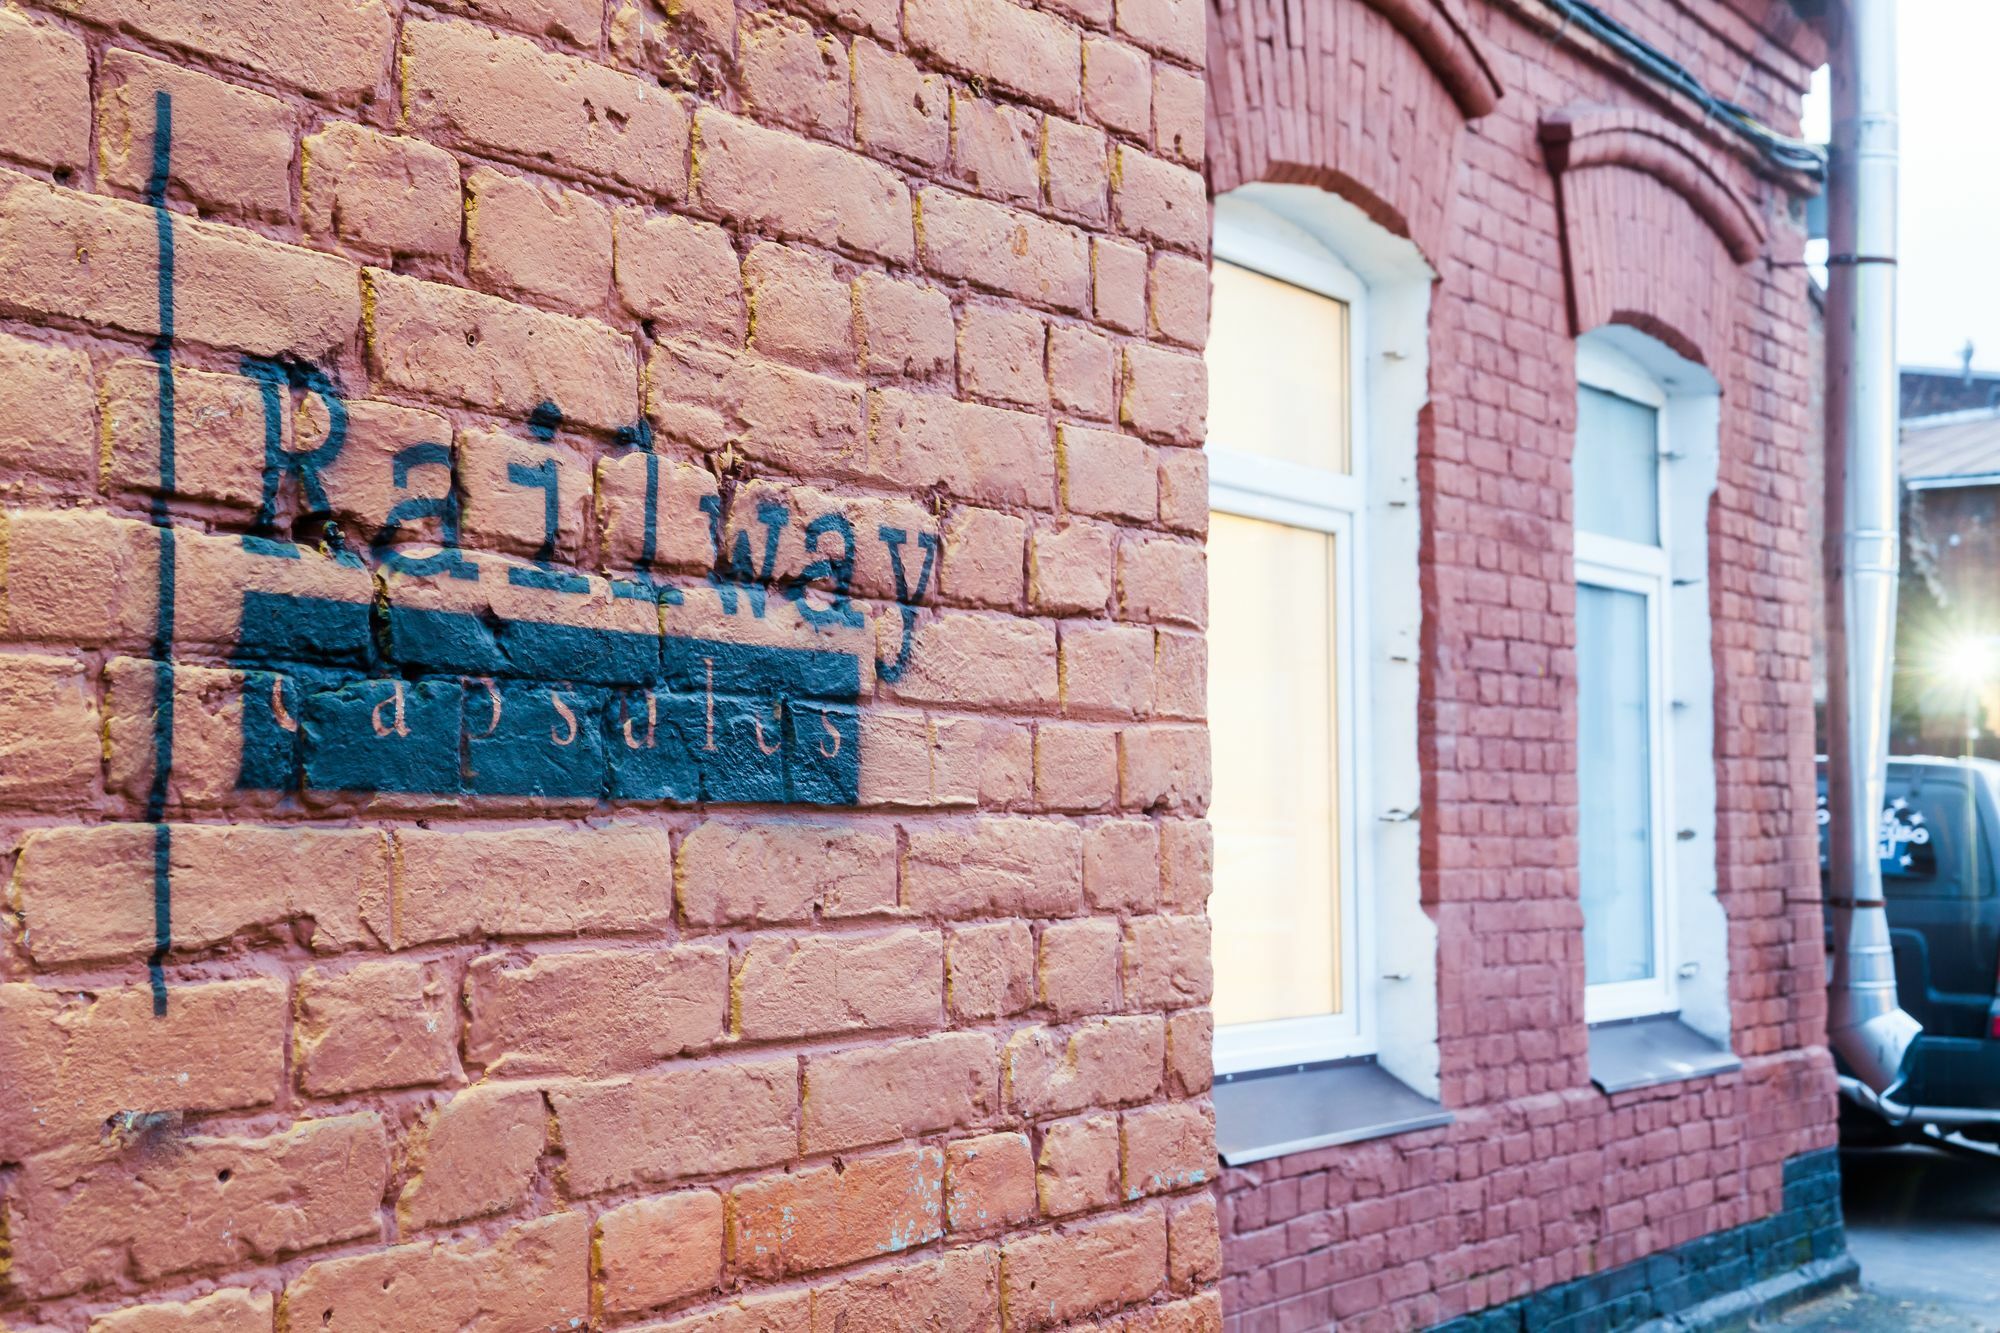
600 666
1542 1179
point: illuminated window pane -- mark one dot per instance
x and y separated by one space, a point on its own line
1276 906
1614 776
1277 370
1617 467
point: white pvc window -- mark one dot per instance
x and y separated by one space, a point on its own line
1288 471
1624 756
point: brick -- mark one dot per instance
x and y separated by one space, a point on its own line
534 1275
793 75
45 104
48 412
77 1061
990 970
1180 114
231 149
1190 1059
1163 581
475 1154
799 311
679 528
1187 860
1078 969
959 1290
1106 670
1015 254
1101 1062
94 259
653 1251
1076 767
1170 27
86 893
1194 1244
457 346
383 194
1118 284
980 660
1167 962
593 1012
994 866
706 1119
824 1215
1184 490
375 1025
797 421
1168 1148
1179 305
49 751
1052 1277
1106 475
992 455
996 149
94 1215
1165 395
985 558
1090 13
1164 768
809 987
505 95
1070 568
778 184
882 1093
730 874
903 328
537 244
1081 367
1121 866
230 1310
1010 47
1117 86
501 512
899 109
578 22
683 42
1076 169
339 54
1159 201
680 273
1000 355
219 433
453 885
1078 1166
1201 1314
989 1183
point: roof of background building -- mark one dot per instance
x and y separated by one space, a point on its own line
1954 449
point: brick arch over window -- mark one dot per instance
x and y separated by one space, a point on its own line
1282 76
1653 233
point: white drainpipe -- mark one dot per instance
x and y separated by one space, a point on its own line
1865 1025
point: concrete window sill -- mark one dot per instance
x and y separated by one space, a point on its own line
1264 1115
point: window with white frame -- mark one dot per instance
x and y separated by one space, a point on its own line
1643 470
1308 680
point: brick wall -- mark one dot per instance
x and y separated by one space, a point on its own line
1542 1179
600 666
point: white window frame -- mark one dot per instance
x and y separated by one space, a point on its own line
1319 500
1635 567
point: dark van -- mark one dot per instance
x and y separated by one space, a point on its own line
1939 844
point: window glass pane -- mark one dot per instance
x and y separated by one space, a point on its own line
1271 715
1614 772
1617 467
1277 370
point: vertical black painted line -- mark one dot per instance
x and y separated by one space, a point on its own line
163 628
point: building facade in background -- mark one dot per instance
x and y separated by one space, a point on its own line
1519 985
624 679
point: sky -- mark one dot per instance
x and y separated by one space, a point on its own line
1950 206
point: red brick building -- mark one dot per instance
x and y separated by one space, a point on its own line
1582 787
616 640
